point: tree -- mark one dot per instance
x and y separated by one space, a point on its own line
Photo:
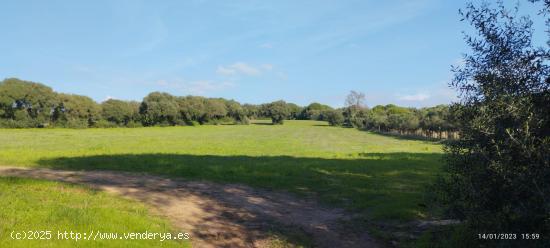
355 99
315 111
236 112
277 111
499 169
76 111
191 109
215 109
252 111
355 102
294 111
136 116
378 118
27 103
159 108
117 111
436 119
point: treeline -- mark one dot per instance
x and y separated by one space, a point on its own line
432 122
289 111
27 104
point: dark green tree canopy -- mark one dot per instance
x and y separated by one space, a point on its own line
236 111
76 110
315 111
159 108
278 111
335 117
26 101
119 112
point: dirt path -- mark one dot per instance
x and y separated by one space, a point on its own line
216 215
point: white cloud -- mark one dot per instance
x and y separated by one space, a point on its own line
245 69
222 70
241 68
416 97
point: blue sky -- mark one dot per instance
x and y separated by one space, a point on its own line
251 51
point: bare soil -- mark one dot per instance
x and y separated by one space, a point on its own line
218 215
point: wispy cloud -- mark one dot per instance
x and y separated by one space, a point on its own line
222 70
342 31
415 97
241 68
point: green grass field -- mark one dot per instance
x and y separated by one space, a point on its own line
381 177
35 205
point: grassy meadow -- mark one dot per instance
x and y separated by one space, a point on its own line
381 177
42 205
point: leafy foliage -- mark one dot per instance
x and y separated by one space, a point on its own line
27 104
278 111
315 111
335 118
76 111
499 169
24 103
120 112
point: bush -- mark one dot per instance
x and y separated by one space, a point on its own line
105 124
9 123
134 124
72 123
243 121
335 117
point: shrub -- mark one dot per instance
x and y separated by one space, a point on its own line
335 117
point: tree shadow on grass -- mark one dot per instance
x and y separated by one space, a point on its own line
409 137
215 215
378 186
262 123
386 185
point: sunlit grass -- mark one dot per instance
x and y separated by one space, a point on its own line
382 177
35 205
